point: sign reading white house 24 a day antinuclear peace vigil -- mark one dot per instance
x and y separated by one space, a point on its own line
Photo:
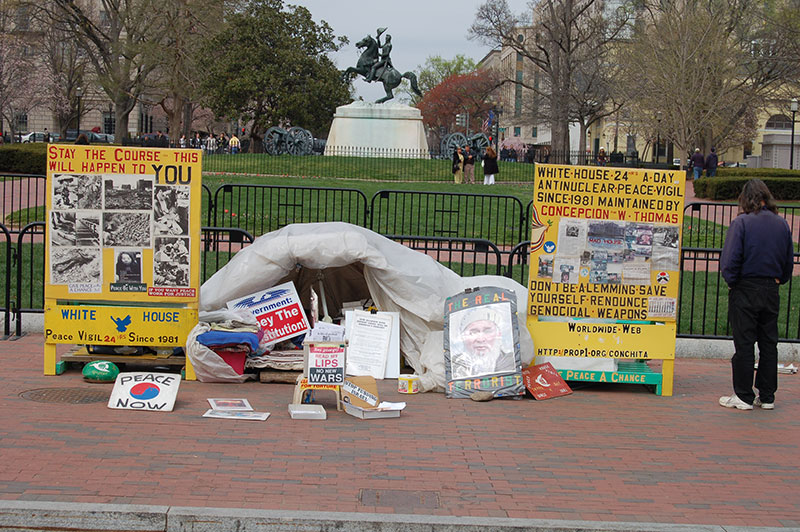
605 263
122 246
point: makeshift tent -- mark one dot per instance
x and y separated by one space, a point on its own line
357 263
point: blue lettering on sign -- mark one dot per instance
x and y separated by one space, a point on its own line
154 315
77 314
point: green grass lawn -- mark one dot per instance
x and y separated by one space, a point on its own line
361 168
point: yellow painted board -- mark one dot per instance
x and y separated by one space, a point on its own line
606 340
117 325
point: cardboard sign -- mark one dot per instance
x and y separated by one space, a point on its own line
143 390
544 382
277 310
360 391
326 363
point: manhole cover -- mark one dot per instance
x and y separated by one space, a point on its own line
75 396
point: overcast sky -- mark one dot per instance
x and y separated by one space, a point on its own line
419 29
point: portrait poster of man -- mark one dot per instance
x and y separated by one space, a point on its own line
482 343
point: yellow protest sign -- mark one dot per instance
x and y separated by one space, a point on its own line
122 260
605 243
605 263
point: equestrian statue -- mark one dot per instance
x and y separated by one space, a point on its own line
376 65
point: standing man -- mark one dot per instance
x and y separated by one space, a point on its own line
469 166
698 161
711 163
458 166
757 257
234 144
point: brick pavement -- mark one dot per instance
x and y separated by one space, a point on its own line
606 453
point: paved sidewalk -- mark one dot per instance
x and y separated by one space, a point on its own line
606 454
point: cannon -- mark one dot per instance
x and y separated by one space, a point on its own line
477 143
294 141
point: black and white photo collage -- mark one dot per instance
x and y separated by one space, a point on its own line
127 213
610 252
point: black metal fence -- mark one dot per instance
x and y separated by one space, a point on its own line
6 258
23 200
500 219
28 297
469 233
260 209
465 256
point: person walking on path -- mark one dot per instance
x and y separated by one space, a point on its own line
756 258
490 168
698 161
711 163
469 166
458 166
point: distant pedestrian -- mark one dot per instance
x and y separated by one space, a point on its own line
757 258
711 163
490 168
182 141
46 136
234 144
602 158
469 166
197 142
698 162
458 166
161 141
82 139
211 144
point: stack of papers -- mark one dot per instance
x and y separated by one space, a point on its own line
234 409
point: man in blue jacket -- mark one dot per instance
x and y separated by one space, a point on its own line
757 257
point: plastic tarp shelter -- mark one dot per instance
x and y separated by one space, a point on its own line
356 263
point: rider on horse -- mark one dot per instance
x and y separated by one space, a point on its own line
384 60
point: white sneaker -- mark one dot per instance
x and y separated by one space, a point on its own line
733 401
764 406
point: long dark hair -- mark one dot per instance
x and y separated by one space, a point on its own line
756 196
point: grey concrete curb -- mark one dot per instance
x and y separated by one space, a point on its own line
45 516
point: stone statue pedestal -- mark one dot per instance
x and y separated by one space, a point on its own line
363 129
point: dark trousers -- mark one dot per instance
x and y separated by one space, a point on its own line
753 314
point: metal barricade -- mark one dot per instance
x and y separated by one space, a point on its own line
498 219
30 257
23 200
219 245
6 303
260 209
465 256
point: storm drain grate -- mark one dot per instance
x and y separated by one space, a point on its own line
75 396
401 500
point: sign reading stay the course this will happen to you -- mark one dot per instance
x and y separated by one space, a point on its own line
122 248
605 262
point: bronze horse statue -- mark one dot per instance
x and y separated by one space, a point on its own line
388 75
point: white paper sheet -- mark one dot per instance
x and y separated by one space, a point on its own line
368 347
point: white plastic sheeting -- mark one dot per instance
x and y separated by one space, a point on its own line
399 279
